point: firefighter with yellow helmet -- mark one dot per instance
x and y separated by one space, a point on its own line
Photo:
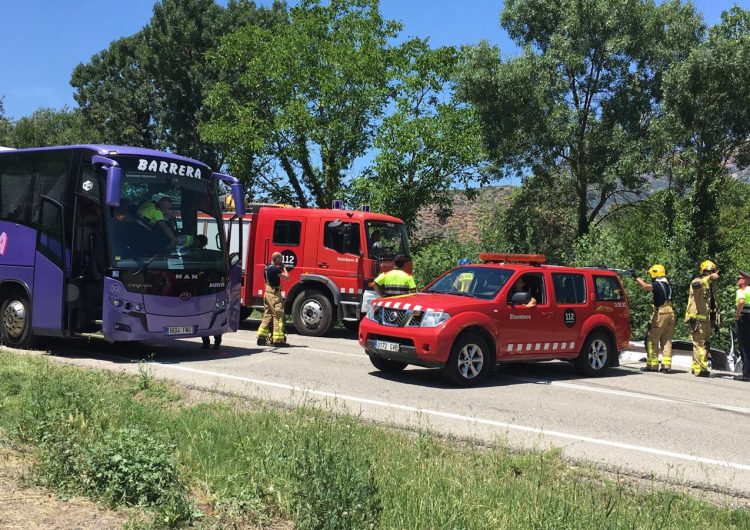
702 314
661 330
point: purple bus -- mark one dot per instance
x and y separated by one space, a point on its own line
106 239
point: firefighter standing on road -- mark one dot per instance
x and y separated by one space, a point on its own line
273 305
698 315
742 315
662 326
395 281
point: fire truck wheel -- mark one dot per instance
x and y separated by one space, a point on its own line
312 313
469 362
386 365
15 321
595 355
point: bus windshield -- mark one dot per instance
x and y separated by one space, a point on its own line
168 223
386 240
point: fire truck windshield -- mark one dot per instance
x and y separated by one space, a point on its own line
156 225
478 282
386 240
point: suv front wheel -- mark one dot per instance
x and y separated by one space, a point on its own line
596 354
469 362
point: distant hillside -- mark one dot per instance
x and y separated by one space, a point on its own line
466 217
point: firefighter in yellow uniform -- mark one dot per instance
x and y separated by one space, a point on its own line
273 305
396 281
698 315
662 326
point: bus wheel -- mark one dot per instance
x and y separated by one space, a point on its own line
312 313
15 321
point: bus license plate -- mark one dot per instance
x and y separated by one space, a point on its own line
180 330
386 346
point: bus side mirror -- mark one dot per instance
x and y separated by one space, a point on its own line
114 179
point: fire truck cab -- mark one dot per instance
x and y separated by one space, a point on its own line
511 308
332 257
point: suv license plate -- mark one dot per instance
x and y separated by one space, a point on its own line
180 330
386 346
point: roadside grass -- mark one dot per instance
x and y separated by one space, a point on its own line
132 441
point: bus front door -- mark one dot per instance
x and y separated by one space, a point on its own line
47 306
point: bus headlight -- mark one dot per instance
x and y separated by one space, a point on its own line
116 302
433 319
221 304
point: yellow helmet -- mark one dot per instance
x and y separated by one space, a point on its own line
657 271
708 265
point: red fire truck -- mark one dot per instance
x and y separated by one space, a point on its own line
332 257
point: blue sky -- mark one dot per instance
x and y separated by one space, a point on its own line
43 40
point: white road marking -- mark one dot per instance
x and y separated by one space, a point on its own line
471 419
636 395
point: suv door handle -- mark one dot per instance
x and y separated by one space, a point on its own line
323 265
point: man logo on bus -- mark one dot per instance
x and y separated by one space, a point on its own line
170 168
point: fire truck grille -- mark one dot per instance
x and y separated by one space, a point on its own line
398 318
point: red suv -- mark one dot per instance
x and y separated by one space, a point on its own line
512 308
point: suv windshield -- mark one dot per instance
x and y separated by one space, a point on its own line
386 240
477 282
167 222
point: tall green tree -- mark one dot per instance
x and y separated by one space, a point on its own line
296 106
429 145
116 96
707 115
581 98
51 127
149 89
6 126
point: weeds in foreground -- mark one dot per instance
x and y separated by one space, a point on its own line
318 470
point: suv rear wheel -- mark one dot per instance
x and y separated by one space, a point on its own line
596 354
469 362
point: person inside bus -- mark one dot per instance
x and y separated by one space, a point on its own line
157 214
520 287
200 241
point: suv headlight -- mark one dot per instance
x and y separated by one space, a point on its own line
371 312
433 319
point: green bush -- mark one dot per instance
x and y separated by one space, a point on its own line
434 258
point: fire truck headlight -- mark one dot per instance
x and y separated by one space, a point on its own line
432 319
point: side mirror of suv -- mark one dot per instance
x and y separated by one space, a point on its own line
520 298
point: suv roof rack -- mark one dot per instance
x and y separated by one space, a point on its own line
501 257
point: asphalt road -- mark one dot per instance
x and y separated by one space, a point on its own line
675 427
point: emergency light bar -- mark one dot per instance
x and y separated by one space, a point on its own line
498 257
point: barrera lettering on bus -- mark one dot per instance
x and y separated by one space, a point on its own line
169 168
105 239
